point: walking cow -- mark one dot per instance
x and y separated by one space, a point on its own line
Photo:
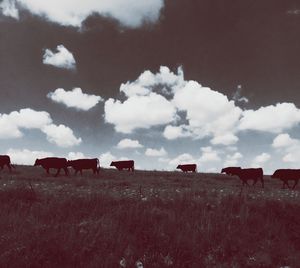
81 164
286 175
246 174
5 161
120 165
53 162
187 167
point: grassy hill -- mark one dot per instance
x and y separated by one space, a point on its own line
163 219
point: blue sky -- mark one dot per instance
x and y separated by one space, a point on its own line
162 82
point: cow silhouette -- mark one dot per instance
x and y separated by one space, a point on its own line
5 161
246 174
80 164
120 165
286 175
53 162
187 167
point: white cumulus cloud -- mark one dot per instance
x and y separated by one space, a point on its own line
75 98
61 135
209 155
131 13
8 8
139 112
75 155
12 123
155 152
128 143
61 58
184 158
232 159
25 156
272 118
261 159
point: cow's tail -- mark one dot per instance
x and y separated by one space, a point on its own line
13 166
98 165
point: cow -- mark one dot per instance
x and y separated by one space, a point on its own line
53 162
246 174
5 161
120 165
187 167
286 175
80 164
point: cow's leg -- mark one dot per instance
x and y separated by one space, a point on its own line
66 171
254 182
81 172
47 170
9 167
58 170
76 170
262 182
295 184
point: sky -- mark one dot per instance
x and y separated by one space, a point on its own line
163 82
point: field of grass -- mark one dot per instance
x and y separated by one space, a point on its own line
162 219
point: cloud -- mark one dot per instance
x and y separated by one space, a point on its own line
139 112
74 98
238 97
61 135
163 97
283 141
155 152
11 126
261 159
75 155
25 156
175 132
8 8
131 13
232 160
184 158
62 58
12 123
128 143
209 155
106 159
272 118
290 147
208 112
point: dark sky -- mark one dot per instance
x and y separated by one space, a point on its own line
219 44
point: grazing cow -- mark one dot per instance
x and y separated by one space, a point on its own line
286 175
53 162
5 161
187 167
120 165
246 174
81 164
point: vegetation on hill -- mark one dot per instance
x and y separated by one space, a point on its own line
162 219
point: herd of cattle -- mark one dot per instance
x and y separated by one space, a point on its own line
245 174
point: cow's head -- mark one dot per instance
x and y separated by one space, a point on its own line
178 167
37 162
275 174
112 164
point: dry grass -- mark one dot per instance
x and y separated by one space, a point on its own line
163 219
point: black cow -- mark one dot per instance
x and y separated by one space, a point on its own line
120 165
81 164
53 162
286 175
5 161
246 174
187 167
